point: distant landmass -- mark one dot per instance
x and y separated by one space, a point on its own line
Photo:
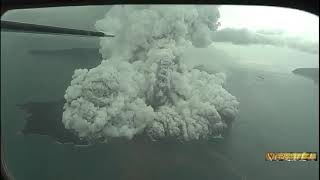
65 51
310 73
45 118
76 52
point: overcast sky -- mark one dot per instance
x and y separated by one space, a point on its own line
290 24
290 21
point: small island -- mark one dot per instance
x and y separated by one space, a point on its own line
310 73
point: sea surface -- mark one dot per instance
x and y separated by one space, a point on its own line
278 112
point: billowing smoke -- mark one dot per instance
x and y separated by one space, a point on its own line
142 85
245 37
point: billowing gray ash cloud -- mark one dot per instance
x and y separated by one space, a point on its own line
143 86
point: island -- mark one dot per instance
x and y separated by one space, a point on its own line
310 73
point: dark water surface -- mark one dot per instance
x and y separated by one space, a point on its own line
278 112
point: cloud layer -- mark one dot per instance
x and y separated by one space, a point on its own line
246 37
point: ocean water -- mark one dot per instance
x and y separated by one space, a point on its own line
278 112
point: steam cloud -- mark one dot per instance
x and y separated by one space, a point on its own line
246 37
142 85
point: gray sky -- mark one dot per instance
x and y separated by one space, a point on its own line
82 17
281 23
289 21
255 18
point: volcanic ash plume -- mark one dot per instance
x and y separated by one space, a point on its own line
142 85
